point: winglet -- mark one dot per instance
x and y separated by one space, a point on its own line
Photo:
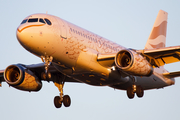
157 37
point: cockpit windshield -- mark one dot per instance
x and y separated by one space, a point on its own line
33 20
24 21
41 20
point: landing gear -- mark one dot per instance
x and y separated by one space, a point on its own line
46 76
134 89
139 91
130 93
47 59
62 99
66 100
57 102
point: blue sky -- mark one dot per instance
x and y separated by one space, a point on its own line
127 23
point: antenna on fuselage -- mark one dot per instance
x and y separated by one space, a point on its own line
46 12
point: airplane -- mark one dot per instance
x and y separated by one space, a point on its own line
72 54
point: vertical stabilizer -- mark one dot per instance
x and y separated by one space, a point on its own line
157 37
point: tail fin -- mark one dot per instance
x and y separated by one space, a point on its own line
157 37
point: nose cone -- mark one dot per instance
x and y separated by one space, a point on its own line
25 35
30 37
22 36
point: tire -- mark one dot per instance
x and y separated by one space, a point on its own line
130 93
48 74
139 91
57 102
45 76
66 101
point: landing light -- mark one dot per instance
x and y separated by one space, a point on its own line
113 68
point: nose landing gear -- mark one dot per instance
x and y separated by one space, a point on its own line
47 61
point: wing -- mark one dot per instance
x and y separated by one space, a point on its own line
172 74
156 57
161 56
38 69
1 76
106 60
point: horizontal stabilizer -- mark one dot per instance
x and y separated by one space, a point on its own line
172 74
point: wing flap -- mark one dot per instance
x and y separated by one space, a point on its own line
161 56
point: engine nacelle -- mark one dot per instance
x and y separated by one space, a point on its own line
21 78
133 63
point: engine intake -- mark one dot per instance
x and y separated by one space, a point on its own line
133 63
21 78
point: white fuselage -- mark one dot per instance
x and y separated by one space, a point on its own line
75 51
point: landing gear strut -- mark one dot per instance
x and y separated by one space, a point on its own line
47 61
134 89
65 99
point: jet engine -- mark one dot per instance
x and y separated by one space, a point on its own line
22 78
133 63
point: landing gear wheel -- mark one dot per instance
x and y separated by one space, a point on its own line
57 102
66 101
46 76
139 91
130 93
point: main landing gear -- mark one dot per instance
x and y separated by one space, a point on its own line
62 99
134 89
58 100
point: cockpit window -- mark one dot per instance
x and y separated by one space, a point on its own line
48 21
24 21
33 20
41 20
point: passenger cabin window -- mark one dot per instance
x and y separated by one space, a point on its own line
48 21
33 20
41 20
24 21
